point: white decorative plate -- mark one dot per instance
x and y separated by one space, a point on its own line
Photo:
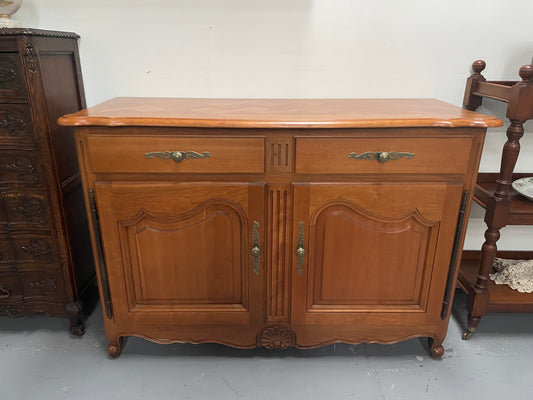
524 186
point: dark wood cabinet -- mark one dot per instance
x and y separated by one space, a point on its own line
277 223
46 265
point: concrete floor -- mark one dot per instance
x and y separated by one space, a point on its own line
39 359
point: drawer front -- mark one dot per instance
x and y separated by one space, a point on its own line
40 284
26 210
11 77
10 287
176 154
20 168
15 125
386 155
34 248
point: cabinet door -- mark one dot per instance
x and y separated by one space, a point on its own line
374 253
179 254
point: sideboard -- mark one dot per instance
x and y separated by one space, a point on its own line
277 223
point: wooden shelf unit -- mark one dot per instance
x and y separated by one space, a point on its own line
503 205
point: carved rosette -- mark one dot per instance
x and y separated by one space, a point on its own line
276 337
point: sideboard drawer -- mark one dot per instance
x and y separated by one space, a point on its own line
176 154
384 155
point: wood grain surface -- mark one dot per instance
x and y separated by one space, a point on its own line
278 113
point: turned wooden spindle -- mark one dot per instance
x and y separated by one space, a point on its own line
526 73
478 66
499 205
472 101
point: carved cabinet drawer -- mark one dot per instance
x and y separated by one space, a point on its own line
27 249
10 288
33 248
159 154
26 210
11 79
15 125
19 167
390 155
40 284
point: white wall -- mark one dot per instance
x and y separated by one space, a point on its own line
298 49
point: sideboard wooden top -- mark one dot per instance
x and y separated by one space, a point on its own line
278 113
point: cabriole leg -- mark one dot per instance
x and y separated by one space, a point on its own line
115 347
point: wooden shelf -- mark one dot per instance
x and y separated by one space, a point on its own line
501 297
514 210
521 208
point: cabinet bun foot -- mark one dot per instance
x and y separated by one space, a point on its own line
77 330
435 348
114 349
467 334
75 315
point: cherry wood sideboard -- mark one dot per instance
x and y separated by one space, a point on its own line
46 263
277 223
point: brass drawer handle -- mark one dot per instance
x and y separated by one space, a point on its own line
177 156
300 249
256 247
4 293
381 156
